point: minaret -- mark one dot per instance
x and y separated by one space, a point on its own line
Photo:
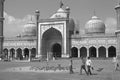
1 24
117 8
37 14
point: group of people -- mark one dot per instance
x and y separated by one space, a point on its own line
86 63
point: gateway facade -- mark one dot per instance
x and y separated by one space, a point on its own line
59 37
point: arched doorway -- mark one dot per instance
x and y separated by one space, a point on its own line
102 51
74 52
92 51
33 52
26 53
49 37
19 53
83 52
111 51
56 50
5 53
12 53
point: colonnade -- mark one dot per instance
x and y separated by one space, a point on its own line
20 53
94 52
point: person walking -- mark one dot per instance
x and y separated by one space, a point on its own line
71 67
115 61
88 63
83 66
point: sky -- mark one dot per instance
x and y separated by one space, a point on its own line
18 12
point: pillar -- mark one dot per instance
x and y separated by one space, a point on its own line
78 53
87 52
29 55
106 52
9 54
97 53
37 14
23 53
15 54
1 24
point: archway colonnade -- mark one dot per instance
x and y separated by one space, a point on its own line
100 52
19 53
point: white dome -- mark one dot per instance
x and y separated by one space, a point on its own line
59 14
95 25
29 29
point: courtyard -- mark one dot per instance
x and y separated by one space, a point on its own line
107 73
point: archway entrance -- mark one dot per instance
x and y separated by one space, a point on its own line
33 52
56 50
26 53
12 53
112 51
83 52
50 37
102 51
92 52
74 52
19 53
6 53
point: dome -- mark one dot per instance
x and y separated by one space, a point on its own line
59 14
29 29
95 25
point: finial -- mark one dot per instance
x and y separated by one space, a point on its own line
94 13
37 11
61 4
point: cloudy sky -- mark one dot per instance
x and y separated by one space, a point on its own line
18 12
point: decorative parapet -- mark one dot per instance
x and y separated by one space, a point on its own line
19 43
94 41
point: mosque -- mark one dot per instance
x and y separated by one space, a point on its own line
58 37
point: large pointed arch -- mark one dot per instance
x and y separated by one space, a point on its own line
50 37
